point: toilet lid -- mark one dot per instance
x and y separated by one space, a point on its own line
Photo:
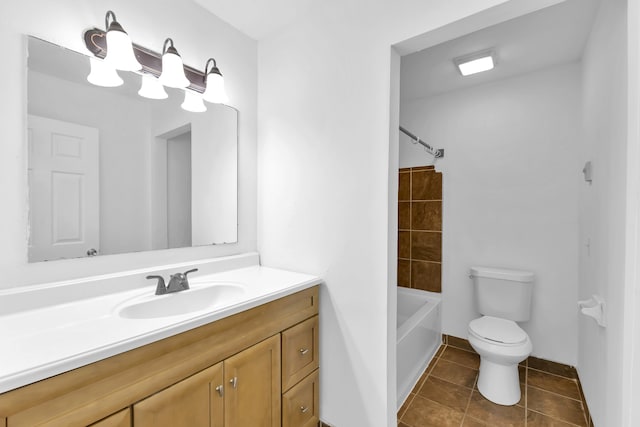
499 330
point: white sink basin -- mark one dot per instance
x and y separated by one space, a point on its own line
203 297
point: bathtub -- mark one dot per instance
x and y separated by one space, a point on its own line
418 338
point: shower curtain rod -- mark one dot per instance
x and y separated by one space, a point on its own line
437 153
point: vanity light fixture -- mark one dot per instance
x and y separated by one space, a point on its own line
193 102
151 88
156 69
120 53
475 63
214 91
172 67
102 74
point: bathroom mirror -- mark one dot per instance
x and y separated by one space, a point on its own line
112 172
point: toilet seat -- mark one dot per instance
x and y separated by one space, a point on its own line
498 331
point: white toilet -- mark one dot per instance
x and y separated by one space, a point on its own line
503 297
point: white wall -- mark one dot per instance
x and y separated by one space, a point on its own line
198 35
510 194
179 191
324 126
631 345
214 157
602 208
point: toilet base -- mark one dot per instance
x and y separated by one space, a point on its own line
499 383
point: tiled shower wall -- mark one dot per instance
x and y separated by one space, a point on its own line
420 228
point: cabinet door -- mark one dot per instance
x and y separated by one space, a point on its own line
252 382
193 402
119 419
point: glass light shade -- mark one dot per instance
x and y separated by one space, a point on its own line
214 91
173 71
193 102
102 74
151 88
120 53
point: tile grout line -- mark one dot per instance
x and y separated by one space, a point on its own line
419 385
464 416
555 375
411 229
555 418
526 392
557 394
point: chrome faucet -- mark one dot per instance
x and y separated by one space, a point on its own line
177 283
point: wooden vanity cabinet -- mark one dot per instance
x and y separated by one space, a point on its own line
299 352
190 403
300 376
119 419
173 382
244 390
252 386
300 405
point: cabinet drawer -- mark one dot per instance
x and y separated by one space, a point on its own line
300 405
299 352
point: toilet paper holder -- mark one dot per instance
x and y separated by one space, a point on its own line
594 307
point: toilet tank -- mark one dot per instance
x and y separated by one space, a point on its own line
502 292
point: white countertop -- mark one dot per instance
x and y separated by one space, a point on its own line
46 341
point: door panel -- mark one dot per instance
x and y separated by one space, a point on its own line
192 402
63 189
252 379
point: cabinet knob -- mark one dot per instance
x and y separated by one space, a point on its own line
220 390
303 351
234 382
304 409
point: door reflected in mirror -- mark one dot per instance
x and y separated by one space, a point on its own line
111 172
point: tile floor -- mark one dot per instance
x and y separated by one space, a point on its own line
447 395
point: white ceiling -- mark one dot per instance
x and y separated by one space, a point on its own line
257 18
551 36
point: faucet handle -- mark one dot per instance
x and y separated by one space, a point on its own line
184 280
160 288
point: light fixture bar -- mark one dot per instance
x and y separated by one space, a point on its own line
475 63
95 40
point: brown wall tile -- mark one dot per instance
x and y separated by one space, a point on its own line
459 342
552 367
426 246
426 185
404 273
404 186
421 223
426 216
404 215
426 276
404 244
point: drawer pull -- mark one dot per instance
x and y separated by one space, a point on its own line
303 351
304 409
220 390
234 382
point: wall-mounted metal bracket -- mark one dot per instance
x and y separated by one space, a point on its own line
96 41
